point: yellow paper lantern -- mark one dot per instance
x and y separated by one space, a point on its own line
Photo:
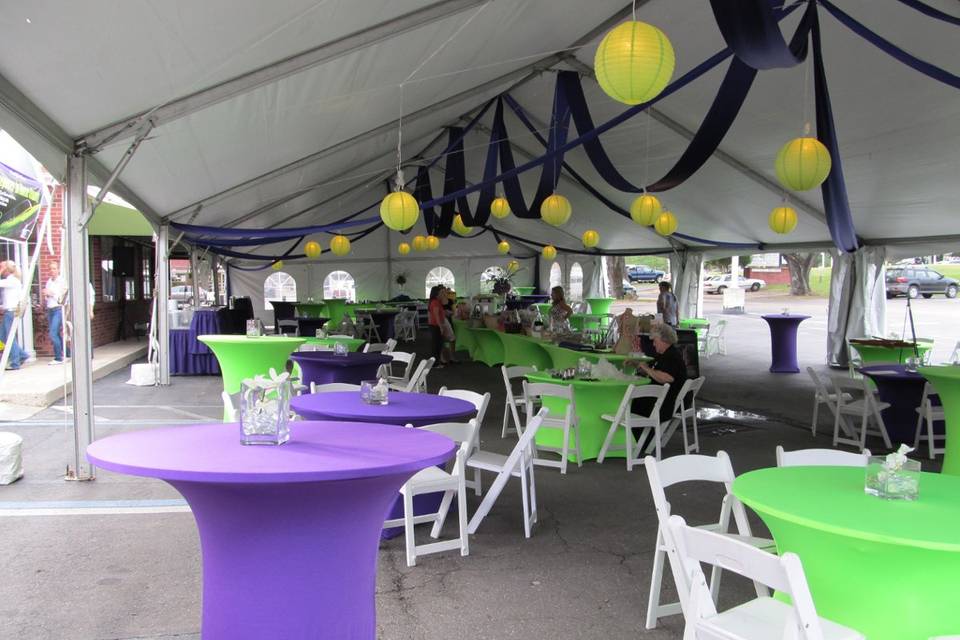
340 245
500 208
399 210
666 223
403 248
549 252
513 266
312 249
590 238
556 210
503 247
645 209
634 62
459 227
277 265
433 242
783 219
419 243
802 164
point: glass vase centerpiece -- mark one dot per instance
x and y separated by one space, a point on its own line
340 349
894 476
254 328
375 391
265 409
320 333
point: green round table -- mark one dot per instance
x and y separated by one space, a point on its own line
519 349
946 381
465 340
700 325
524 291
241 357
878 354
353 344
600 306
544 309
310 309
581 321
883 567
489 347
593 399
335 310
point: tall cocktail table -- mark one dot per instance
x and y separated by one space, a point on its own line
322 367
243 357
783 341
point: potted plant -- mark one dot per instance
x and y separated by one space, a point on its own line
401 280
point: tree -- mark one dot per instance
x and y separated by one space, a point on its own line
799 265
616 269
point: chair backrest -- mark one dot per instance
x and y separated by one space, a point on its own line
333 386
633 392
856 389
282 325
928 390
539 390
459 432
955 354
229 411
406 358
818 384
380 347
479 400
524 446
514 373
418 381
783 573
717 328
687 397
821 458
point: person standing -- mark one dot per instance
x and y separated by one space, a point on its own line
11 290
560 311
667 305
54 293
436 318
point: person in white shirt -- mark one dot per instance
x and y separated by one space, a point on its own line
11 290
53 295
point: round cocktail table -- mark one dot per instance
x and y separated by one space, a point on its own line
946 381
417 409
321 367
600 306
883 567
353 344
289 533
241 357
783 341
903 390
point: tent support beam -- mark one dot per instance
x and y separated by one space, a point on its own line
162 290
121 165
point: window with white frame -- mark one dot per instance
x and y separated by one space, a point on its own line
340 285
576 282
439 275
556 276
279 286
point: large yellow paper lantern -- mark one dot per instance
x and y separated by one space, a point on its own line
403 248
433 242
556 210
645 209
783 219
666 223
459 227
419 243
513 266
802 164
634 62
312 249
500 208
549 252
277 265
340 245
590 238
399 210
503 246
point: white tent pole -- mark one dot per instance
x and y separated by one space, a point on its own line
195 277
216 279
163 295
78 260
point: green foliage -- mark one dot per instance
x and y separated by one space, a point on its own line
655 262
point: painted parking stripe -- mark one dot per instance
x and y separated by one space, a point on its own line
41 508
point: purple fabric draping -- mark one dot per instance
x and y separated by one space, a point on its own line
205 322
288 233
185 363
750 28
931 11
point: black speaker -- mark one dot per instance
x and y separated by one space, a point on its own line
124 262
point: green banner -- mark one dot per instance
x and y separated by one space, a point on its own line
20 198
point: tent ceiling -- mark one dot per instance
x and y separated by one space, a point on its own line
898 129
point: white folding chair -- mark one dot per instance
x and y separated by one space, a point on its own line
537 392
821 458
229 411
288 328
367 328
955 354
821 395
716 341
315 347
418 381
518 464
649 425
763 618
405 326
863 404
380 347
662 474
513 402
407 360
431 480
480 403
684 409
929 413
329 387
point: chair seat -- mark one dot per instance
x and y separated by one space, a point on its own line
766 618
636 420
429 478
487 460
857 407
936 413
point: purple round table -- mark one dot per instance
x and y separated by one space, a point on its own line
307 326
322 367
903 390
289 534
417 409
783 341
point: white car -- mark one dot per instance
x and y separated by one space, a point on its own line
716 284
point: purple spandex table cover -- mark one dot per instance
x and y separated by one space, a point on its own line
384 320
183 362
307 327
903 390
417 409
783 341
289 534
321 367
205 322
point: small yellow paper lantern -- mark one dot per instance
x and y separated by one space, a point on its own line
666 223
312 249
433 242
500 208
556 210
645 209
399 210
403 248
277 265
513 266
634 62
503 247
419 243
549 252
783 219
459 227
590 238
802 164
340 245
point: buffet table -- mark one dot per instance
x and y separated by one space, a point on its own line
189 356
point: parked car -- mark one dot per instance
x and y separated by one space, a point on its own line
716 284
919 281
184 293
629 291
643 273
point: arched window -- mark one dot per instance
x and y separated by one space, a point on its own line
279 286
439 275
556 276
340 285
576 282
488 276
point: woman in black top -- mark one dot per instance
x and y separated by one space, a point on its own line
667 368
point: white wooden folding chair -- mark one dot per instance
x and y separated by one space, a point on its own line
229 411
405 326
380 347
763 618
418 380
663 474
434 479
517 464
513 402
407 360
862 403
367 328
566 424
822 395
649 425
716 341
480 403
329 387
821 458
928 413
684 410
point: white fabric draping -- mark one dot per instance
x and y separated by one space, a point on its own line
857 305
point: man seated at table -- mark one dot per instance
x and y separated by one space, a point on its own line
667 368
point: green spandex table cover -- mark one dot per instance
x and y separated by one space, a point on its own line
465 339
581 321
544 309
886 568
876 354
519 349
310 309
600 306
489 347
335 310
946 380
592 399
353 344
242 357
524 291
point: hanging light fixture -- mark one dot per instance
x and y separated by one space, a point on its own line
503 246
802 164
340 245
590 238
458 226
665 224
645 209
399 210
513 266
403 248
634 62
500 208
556 210
312 249
276 266
419 243
549 252
433 242
783 219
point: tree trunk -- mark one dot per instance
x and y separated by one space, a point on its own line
616 268
799 265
